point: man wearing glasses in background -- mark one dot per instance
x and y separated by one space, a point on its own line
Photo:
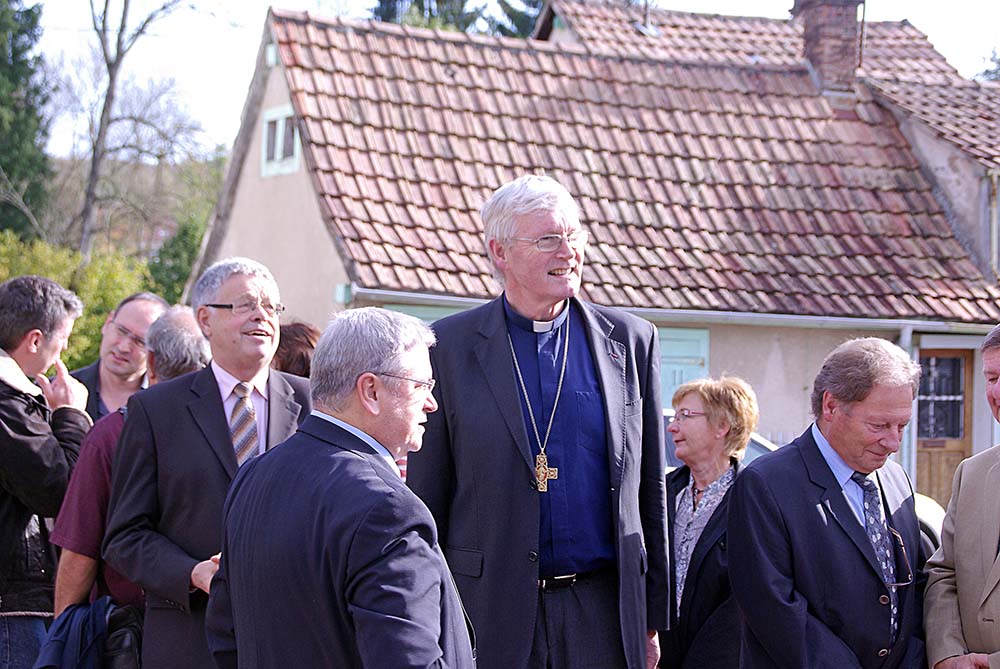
544 466
120 369
180 448
824 547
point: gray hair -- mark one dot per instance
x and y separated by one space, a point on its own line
176 343
368 339
208 284
992 340
524 196
33 302
855 367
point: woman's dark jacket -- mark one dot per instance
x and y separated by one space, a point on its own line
705 632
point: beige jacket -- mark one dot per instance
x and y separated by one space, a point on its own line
962 598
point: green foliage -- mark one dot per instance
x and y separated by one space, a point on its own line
170 268
517 18
101 285
439 14
991 73
23 94
389 11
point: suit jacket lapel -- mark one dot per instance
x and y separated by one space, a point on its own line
989 506
833 499
609 359
282 410
497 369
895 493
207 410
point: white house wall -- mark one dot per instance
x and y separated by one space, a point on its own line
277 221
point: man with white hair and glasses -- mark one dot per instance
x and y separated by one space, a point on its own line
180 448
544 467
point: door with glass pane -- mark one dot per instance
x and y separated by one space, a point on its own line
944 419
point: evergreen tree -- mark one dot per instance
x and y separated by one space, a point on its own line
517 19
23 94
441 14
992 73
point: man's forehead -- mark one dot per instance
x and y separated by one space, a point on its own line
239 285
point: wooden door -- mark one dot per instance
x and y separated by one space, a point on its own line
944 419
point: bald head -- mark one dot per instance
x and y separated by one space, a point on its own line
175 345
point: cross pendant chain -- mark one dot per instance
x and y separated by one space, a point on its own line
543 473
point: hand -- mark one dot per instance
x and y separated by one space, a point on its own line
63 390
970 661
652 649
201 575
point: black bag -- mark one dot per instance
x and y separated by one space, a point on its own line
123 646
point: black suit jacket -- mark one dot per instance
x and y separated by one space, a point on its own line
90 376
329 560
476 474
705 631
172 469
804 572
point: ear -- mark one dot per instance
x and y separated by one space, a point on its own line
32 341
498 254
202 317
830 405
724 429
368 389
150 367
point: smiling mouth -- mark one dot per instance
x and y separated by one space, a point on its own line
258 333
564 271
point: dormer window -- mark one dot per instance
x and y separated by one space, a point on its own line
280 142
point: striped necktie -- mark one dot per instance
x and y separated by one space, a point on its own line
243 424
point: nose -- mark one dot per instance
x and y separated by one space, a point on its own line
430 405
673 427
893 440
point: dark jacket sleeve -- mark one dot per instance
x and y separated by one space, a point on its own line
38 451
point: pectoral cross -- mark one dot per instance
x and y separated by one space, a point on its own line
543 472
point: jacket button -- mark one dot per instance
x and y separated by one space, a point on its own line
883 652
533 556
884 599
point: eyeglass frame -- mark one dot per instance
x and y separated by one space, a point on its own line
906 560
575 239
123 331
429 384
251 306
683 415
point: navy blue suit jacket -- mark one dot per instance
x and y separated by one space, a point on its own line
329 560
804 572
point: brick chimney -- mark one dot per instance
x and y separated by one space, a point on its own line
831 45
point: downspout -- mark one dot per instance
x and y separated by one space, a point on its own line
993 185
908 452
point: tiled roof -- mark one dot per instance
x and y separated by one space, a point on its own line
704 187
895 48
897 59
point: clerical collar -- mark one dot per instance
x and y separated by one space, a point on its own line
534 326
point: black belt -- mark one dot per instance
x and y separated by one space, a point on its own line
568 580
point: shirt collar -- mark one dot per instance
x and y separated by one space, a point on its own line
530 325
841 470
363 436
227 381
12 374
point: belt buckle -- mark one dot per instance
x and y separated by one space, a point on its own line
557 582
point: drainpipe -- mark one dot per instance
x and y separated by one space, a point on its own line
908 452
993 185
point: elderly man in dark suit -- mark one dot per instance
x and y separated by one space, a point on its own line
328 560
181 445
544 467
824 547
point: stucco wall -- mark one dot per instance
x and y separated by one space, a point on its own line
277 221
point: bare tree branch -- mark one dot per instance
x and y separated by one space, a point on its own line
15 197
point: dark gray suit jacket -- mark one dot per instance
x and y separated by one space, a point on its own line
172 469
475 473
328 560
90 376
804 572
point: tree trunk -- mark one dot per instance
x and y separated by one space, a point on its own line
88 214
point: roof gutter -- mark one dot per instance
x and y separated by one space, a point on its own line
692 317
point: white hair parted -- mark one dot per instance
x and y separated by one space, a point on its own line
177 344
854 368
528 195
367 339
208 284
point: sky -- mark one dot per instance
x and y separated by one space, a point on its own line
209 47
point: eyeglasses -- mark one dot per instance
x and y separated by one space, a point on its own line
429 384
683 415
249 306
552 243
123 331
906 561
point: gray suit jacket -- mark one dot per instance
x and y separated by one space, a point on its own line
804 573
962 604
475 473
172 468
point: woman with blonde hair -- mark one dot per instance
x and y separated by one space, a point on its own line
711 425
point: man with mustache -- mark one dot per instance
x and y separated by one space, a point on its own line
181 446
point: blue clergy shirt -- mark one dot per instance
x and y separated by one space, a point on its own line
575 529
